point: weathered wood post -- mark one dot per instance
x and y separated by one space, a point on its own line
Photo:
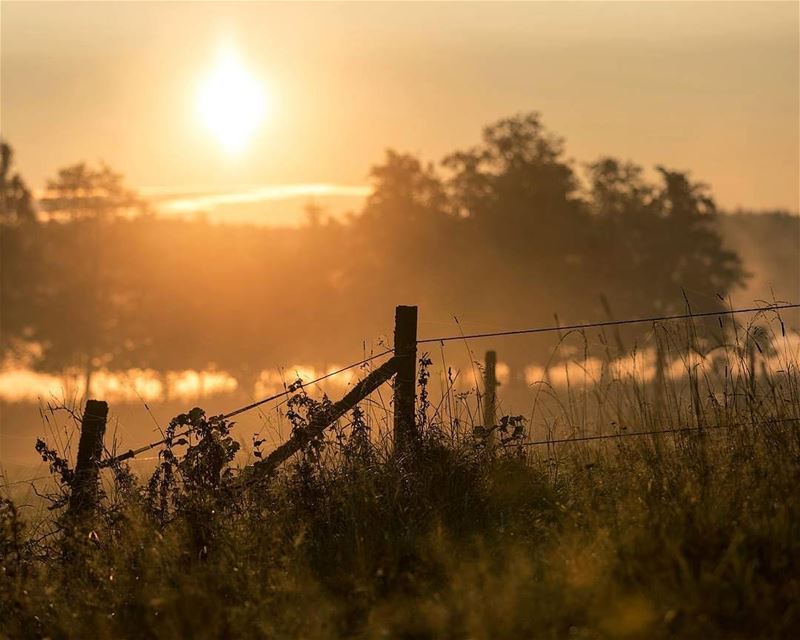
490 395
405 350
83 498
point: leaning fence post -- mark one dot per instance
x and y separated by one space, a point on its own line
83 498
405 349
490 395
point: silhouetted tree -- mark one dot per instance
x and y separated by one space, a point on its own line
518 186
526 222
656 240
405 241
20 265
89 299
16 203
83 192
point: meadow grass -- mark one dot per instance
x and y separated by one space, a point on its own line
689 534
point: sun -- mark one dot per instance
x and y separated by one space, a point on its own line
231 102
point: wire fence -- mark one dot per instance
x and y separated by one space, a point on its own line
31 481
609 323
570 440
516 332
289 390
132 453
652 432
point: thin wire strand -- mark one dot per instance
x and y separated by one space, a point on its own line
330 374
609 323
533 443
627 434
28 481
135 452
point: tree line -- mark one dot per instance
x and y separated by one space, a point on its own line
505 232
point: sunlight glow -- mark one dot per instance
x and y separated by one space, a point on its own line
231 103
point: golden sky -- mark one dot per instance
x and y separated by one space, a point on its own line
710 87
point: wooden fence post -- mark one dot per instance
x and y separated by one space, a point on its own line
405 387
83 498
489 394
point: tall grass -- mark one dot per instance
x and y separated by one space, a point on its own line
690 534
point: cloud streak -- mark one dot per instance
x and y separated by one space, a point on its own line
187 200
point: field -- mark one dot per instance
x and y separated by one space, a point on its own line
692 533
405 320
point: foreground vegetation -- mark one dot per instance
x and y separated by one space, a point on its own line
688 534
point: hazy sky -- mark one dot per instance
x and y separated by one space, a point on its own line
710 87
